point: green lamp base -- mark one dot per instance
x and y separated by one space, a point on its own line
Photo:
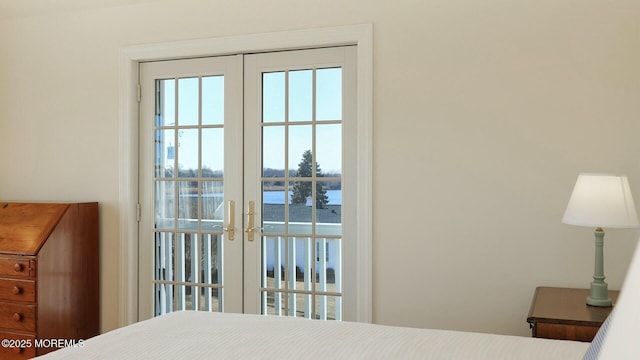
599 294
606 302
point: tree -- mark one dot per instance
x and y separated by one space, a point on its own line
302 189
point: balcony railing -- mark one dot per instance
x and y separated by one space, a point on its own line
301 269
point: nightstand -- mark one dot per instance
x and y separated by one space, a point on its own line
562 313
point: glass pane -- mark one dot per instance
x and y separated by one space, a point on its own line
273 303
301 261
300 210
329 149
166 102
329 94
328 253
192 301
165 204
300 95
183 243
212 204
300 305
188 101
188 205
329 215
274 194
187 249
187 152
213 100
209 299
273 262
163 299
163 258
164 153
273 97
211 250
212 153
180 298
300 145
290 268
328 307
273 209
273 154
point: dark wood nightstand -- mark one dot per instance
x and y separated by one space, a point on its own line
562 313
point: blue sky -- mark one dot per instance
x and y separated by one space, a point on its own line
300 106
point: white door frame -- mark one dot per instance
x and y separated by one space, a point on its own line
131 56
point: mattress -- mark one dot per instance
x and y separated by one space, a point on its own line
204 335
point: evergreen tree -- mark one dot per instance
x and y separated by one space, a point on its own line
302 189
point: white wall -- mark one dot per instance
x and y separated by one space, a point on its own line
484 113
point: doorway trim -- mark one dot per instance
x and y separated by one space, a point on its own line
130 56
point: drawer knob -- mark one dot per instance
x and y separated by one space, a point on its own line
17 317
18 267
16 290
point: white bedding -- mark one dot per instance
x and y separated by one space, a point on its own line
203 335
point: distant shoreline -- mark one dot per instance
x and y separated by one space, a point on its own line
276 188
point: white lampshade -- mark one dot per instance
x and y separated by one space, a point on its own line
601 200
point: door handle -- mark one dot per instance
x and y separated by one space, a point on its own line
251 221
231 227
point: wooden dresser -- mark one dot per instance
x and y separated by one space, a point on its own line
49 277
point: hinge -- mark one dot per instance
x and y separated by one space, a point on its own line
138 212
139 93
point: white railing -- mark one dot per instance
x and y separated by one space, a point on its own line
305 288
187 277
193 283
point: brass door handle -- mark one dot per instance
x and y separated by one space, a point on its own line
231 227
251 221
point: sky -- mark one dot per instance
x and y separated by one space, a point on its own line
300 105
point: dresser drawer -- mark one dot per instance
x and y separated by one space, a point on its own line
17 346
17 290
17 267
18 316
565 332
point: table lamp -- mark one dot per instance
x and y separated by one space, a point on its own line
601 200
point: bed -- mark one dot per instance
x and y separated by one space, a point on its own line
203 335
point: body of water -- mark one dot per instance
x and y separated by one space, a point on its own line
278 197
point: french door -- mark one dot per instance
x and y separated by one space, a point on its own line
247 183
